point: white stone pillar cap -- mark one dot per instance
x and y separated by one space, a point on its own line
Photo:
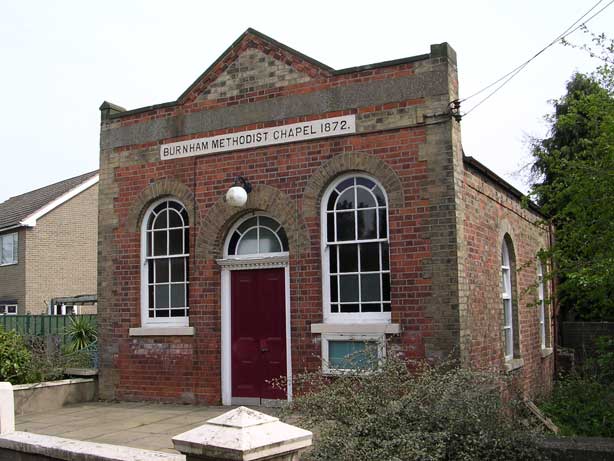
242 434
7 408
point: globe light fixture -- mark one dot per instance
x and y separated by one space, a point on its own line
237 194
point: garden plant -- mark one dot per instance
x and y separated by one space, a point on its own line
401 411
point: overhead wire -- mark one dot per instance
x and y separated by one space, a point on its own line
511 74
559 37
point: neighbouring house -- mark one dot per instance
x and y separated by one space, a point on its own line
281 215
48 243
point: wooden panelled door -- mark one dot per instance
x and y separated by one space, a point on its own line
258 332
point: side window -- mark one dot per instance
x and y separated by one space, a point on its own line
541 300
8 309
355 254
9 248
164 274
509 300
350 354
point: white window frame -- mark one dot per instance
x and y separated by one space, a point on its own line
146 321
60 309
542 304
258 255
4 309
14 236
506 297
349 317
379 339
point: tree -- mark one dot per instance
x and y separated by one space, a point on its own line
573 181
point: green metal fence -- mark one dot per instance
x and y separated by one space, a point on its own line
41 325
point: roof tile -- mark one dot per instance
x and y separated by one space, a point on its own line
17 208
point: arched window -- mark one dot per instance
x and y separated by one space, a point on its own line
257 235
165 264
506 296
355 253
509 297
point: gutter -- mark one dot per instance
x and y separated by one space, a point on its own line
15 226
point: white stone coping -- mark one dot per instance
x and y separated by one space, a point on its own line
243 434
513 364
161 331
356 328
61 382
68 449
81 371
547 351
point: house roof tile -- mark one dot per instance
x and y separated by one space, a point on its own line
16 209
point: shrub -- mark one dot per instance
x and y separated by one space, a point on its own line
604 359
15 358
48 363
434 413
583 403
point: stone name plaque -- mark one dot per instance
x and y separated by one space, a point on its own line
294 132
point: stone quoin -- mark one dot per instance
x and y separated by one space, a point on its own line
366 230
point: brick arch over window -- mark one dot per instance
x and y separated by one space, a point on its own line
220 217
167 187
345 163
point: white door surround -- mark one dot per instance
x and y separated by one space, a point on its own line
248 262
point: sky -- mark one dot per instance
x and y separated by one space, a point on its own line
59 60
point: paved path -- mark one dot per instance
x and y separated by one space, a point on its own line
140 425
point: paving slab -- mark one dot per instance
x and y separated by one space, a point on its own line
135 424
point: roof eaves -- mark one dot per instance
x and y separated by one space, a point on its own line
30 220
480 167
10 227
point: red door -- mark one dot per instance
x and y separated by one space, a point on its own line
258 325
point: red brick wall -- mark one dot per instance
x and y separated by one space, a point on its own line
490 212
189 368
410 140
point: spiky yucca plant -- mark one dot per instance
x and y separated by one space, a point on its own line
81 334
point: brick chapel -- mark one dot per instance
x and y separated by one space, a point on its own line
282 216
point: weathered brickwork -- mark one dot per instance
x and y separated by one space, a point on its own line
355 161
221 217
490 214
252 72
405 139
61 252
155 190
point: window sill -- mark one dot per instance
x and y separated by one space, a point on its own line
9 264
161 331
513 364
356 328
546 352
